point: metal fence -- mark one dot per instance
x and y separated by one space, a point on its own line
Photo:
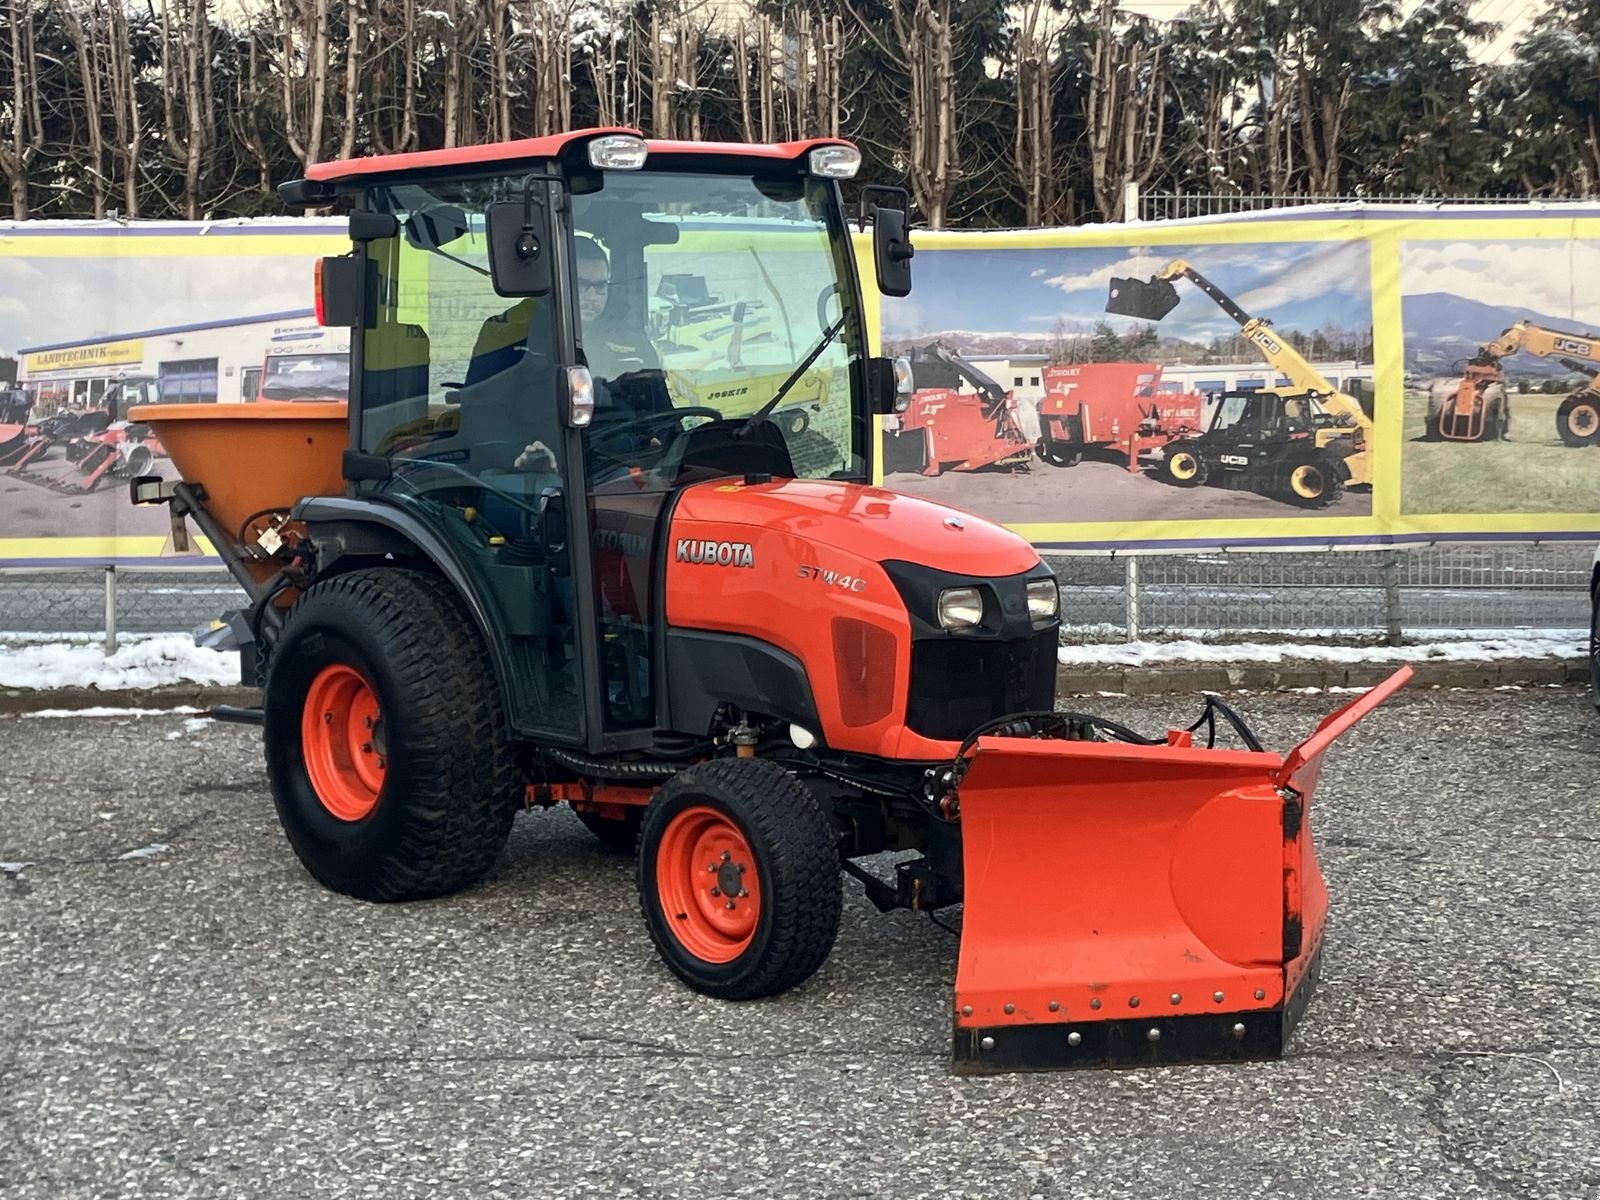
1169 206
1234 594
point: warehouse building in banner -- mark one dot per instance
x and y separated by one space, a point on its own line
281 355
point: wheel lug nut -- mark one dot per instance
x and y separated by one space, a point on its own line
743 893
741 868
327 718
730 904
716 891
726 856
369 722
366 747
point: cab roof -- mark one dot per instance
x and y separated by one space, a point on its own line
552 146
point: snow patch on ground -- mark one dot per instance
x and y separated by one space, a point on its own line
107 711
147 663
1481 649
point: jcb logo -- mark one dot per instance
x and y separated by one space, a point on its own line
716 554
1574 346
850 583
1266 341
1233 460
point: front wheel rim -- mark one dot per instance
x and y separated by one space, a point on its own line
1185 466
707 885
1583 420
341 736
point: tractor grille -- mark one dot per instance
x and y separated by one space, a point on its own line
958 684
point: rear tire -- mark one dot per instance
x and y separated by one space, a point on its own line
702 827
1578 419
1183 465
385 739
1059 454
1310 480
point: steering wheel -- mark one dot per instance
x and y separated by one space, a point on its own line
608 428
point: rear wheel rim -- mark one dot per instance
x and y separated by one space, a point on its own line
1307 481
1584 420
1185 465
341 736
707 885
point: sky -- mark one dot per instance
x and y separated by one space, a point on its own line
1295 285
1540 275
48 300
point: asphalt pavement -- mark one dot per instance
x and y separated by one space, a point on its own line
184 1012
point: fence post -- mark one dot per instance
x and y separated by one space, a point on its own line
1130 202
1130 586
111 611
1391 598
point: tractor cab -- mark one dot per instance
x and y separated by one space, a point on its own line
1255 416
549 350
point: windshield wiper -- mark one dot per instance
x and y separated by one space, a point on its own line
765 410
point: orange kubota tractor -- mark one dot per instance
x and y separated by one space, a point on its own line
513 573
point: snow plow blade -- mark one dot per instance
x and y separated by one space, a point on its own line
1135 904
1145 299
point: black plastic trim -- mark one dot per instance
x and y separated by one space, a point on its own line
704 670
344 527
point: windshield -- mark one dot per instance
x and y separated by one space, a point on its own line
708 292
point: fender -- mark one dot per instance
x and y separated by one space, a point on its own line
365 529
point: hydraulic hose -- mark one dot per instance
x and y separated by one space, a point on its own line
606 768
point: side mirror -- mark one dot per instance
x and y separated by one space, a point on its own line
889 384
519 245
892 251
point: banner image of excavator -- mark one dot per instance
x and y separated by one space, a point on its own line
1303 443
1477 408
946 429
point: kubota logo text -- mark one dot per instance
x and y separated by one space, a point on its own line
716 554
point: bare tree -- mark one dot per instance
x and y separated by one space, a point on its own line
186 60
85 38
1125 110
1034 136
18 151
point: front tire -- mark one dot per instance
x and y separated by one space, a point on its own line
1182 465
1311 480
739 878
1578 419
385 739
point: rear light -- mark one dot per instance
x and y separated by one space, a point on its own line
904 384
316 289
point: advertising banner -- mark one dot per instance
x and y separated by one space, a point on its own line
1343 375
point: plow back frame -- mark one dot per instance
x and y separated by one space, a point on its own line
1131 904
1143 299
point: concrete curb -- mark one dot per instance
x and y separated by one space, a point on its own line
1070 681
1268 677
14 701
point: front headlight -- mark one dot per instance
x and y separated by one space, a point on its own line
960 608
1044 601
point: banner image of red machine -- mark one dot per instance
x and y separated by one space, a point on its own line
1175 383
